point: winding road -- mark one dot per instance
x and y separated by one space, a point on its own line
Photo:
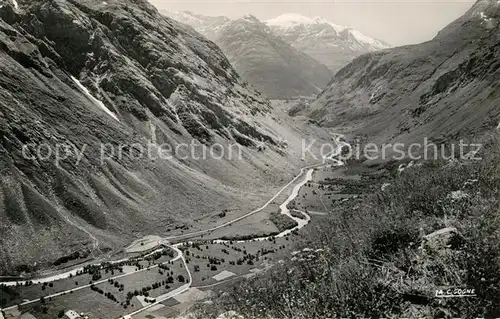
307 172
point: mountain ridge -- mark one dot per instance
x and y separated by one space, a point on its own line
329 43
264 60
441 89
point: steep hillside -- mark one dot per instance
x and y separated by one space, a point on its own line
262 58
112 82
331 44
442 89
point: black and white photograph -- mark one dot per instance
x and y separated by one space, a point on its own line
249 159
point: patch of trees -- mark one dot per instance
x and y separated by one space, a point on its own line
25 268
116 284
96 289
44 285
248 258
144 291
216 261
163 267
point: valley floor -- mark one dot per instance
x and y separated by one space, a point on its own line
352 239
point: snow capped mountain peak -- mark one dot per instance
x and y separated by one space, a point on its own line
250 18
366 39
187 17
338 28
290 20
208 26
327 42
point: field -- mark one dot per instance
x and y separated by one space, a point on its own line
261 224
208 260
107 286
95 302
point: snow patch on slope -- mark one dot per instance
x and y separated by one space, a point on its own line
16 5
93 99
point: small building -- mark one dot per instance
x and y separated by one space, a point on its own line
71 314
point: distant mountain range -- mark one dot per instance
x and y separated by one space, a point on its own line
331 44
270 55
269 63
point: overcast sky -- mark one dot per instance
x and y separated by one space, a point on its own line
397 22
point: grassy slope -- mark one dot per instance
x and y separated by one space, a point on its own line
374 263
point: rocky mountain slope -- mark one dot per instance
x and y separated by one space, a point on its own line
206 25
331 44
111 82
268 63
263 59
442 89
